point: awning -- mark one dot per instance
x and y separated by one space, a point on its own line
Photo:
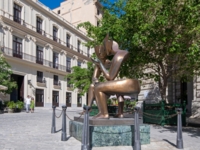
3 87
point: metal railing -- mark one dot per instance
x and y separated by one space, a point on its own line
40 31
18 54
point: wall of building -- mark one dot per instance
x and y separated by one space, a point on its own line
27 66
76 11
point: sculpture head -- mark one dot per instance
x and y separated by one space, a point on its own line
100 52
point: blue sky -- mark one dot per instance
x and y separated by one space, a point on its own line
52 3
55 3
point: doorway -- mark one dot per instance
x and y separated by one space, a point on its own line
39 101
18 93
55 98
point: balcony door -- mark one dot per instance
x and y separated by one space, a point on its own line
39 98
17 13
39 25
39 55
17 47
55 99
55 60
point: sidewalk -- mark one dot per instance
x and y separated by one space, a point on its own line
32 131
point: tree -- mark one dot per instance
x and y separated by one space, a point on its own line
5 73
81 78
162 37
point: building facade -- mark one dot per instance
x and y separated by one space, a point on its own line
79 11
41 48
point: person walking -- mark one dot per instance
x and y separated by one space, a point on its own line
32 105
28 101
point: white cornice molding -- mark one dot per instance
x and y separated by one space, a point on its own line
74 57
18 2
40 16
63 52
47 46
28 37
4 26
33 39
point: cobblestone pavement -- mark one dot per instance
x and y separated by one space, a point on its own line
32 131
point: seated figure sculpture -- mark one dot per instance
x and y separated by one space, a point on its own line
101 91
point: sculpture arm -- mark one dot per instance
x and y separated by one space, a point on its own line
96 74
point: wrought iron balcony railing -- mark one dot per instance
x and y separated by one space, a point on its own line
24 56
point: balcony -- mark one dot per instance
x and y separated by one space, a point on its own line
18 20
17 54
57 84
39 60
68 69
40 31
24 56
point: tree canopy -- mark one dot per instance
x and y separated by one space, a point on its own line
5 75
162 37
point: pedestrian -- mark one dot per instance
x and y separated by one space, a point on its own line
32 105
28 101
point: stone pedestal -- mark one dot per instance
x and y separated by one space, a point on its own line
111 132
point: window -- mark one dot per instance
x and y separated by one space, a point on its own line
97 23
68 84
39 55
39 25
98 12
68 40
17 47
55 32
88 51
55 80
17 13
55 60
68 99
68 64
78 46
39 76
79 63
58 11
79 100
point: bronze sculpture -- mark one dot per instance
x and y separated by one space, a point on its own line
101 91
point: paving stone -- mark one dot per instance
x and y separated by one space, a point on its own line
32 131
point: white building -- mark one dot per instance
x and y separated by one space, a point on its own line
41 48
79 11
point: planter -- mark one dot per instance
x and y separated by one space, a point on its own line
17 110
10 110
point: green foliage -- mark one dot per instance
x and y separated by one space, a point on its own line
19 105
81 78
5 73
162 36
11 104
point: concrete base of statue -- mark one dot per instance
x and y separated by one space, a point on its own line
109 132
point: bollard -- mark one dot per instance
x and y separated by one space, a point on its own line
137 142
64 134
85 137
53 126
179 140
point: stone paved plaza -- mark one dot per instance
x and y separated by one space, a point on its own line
32 131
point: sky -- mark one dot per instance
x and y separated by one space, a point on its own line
52 3
55 3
